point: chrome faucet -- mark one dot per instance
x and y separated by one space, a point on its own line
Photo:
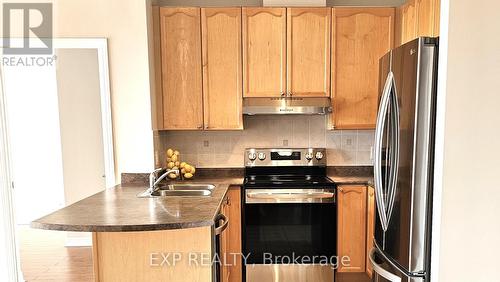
154 181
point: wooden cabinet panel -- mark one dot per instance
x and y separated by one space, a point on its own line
181 68
417 18
425 17
428 17
409 21
231 237
370 228
352 227
308 51
221 45
437 16
264 51
360 37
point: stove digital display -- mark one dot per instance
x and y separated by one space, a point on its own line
285 156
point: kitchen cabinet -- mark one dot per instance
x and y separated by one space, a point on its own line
308 51
286 50
370 228
406 22
221 55
360 36
181 68
231 270
352 227
264 51
417 18
428 17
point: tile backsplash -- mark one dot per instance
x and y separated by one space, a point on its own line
225 148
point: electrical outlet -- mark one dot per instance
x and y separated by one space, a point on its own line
206 143
348 141
285 143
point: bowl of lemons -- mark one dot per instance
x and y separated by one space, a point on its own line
186 170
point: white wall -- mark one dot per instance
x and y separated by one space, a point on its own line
123 22
470 214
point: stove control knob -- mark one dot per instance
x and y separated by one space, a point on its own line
309 156
252 156
262 156
319 155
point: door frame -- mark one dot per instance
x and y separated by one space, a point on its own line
12 271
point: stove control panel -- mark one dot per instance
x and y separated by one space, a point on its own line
285 157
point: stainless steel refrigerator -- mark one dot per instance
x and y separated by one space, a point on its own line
403 162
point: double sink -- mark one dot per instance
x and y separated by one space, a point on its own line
179 190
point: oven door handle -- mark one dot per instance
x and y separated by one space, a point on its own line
289 197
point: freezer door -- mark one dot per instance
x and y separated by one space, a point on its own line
404 236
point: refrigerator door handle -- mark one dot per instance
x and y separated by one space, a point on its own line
380 270
395 142
379 132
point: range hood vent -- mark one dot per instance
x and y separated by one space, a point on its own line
287 106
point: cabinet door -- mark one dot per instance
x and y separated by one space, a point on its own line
221 45
409 21
428 16
231 237
308 51
264 51
181 68
352 227
370 228
360 36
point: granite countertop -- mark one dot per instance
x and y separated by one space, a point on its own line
351 175
119 209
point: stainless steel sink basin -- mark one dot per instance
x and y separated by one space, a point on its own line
187 187
180 190
181 193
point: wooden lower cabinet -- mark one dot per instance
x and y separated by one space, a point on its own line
351 235
231 270
137 256
370 228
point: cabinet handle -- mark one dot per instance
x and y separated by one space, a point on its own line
341 189
220 229
200 126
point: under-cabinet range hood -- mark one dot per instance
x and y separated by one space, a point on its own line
287 105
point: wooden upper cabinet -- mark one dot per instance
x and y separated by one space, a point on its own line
264 51
222 89
409 21
352 227
181 68
308 51
428 17
417 18
360 37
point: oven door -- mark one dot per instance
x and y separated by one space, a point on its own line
294 229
